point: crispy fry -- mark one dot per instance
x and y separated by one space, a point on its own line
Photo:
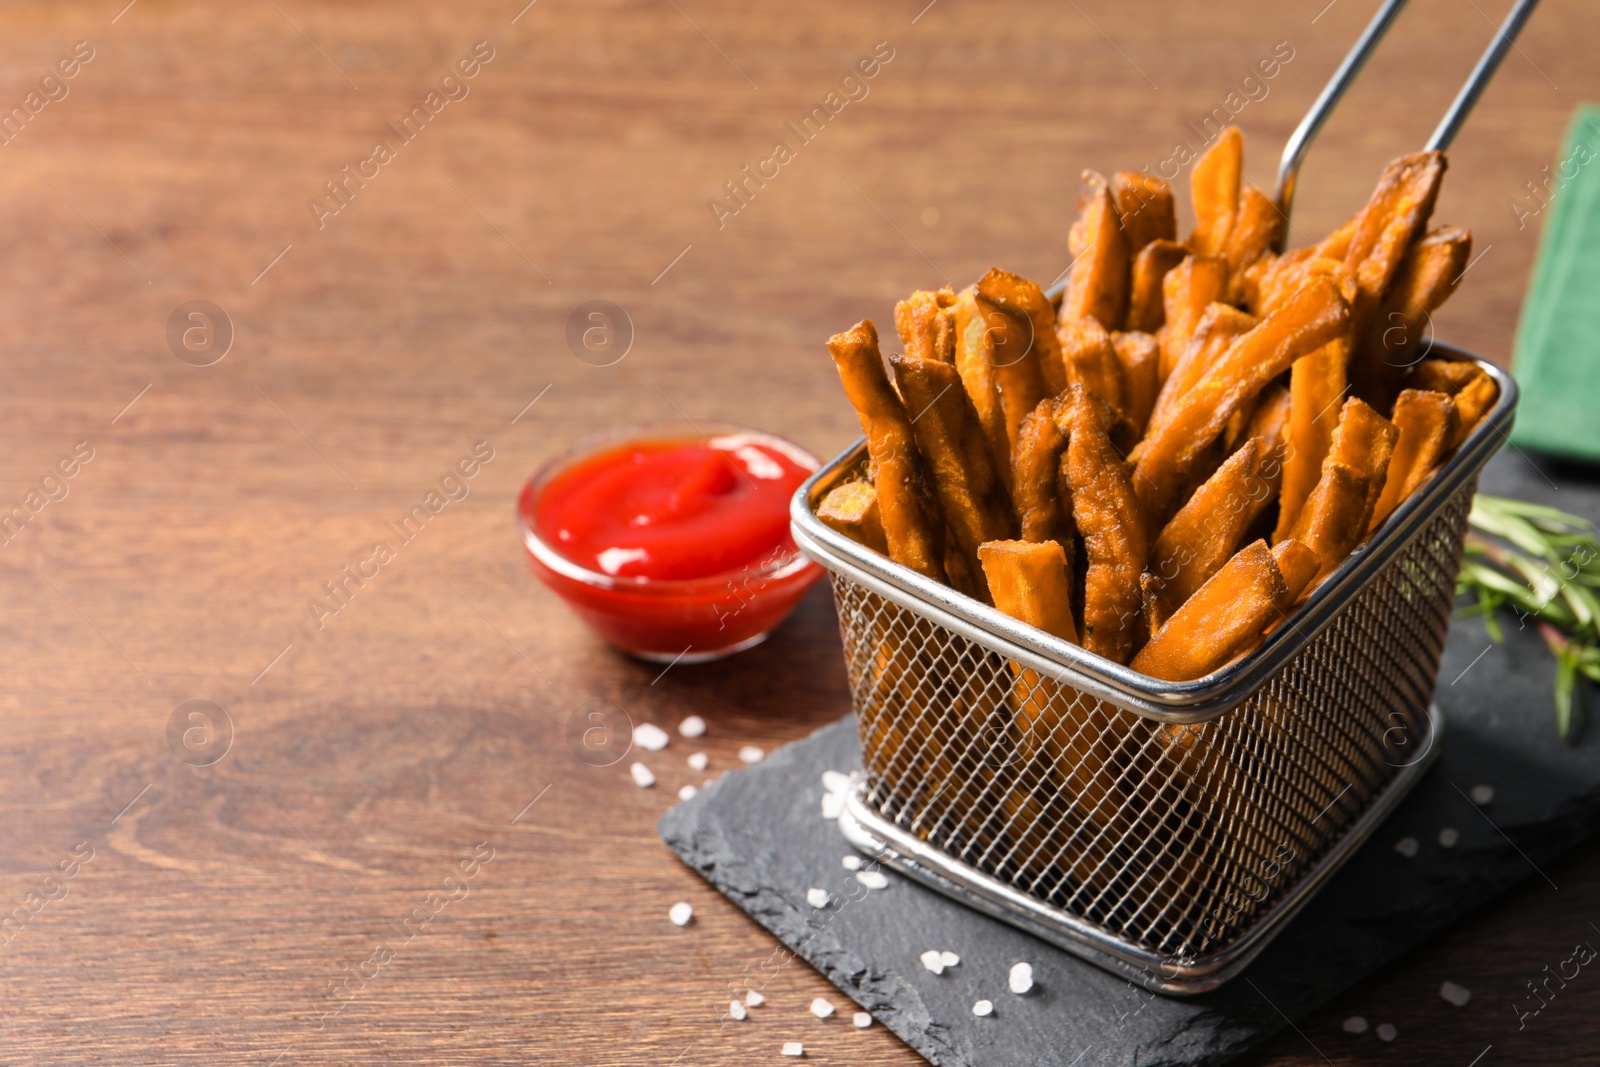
1255 232
1337 243
956 456
1017 375
926 325
1425 422
1214 183
1206 531
1031 582
1187 291
1145 308
1140 357
1394 336
1474 391
1092 362
1150 601
1396 214
852 509
1316 387
1307 321
975 364
912 524
1224 616
1145 208
1334 519
1297 564
1108 517
1098 285
1216 329
1270 422
1042 514
1023 299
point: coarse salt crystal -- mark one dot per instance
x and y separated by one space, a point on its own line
861 1019
687 792
643 777
1448 837
680 914
834 782
949 959
832 805
1483 795
1455 994
736 1010
693 726
754 999
851 863
752 754
1021 978
1387 1032
933 960
872 879
699 761
983 1007
1355 1025
1406 846
821 1007
650 737
793 1048
818 898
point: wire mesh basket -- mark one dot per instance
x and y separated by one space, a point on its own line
1162 830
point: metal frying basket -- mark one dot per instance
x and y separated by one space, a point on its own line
1162 830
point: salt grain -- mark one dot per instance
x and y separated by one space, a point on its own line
1483 795
1448 837
1355 1025
832 805
861 1019
680 914
983 1007
1387 1032
752 754
1455 994
687 792
642 776
650 737
699 761
1406 846
736 1010
933 960
793 1048
1021 978
693 726
949 959
872 879
834 782
821 1007
851 863
818 898
754 999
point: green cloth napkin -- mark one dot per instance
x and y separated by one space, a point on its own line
1557 359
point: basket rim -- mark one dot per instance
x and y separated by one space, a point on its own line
1073 665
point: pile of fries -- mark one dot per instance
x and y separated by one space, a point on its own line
1161 465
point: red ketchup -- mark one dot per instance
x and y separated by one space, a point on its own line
673 548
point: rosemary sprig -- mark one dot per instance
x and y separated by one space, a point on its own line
1543 564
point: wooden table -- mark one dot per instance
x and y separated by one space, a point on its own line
261 909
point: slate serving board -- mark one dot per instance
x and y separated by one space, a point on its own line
758 836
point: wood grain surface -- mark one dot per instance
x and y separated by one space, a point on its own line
263 909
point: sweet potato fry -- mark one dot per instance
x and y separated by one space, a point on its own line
1018 376
1140 357
1255 232
1098 285
1337 243
1187 291
1215 330
1145 209
1146 310
1334 519
1394 338
1223 617
1297 564
926 326
1032 583
975 364
1042 515
1214 183
1425 422
1305 322
1474 391
1317 388
1206 531
956 457
1023 299
1091 361
852 509
912 524
1270 423
1395 215
1108 518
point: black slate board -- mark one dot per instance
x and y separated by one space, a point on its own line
758 836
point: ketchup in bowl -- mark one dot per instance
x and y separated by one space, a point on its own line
672 545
